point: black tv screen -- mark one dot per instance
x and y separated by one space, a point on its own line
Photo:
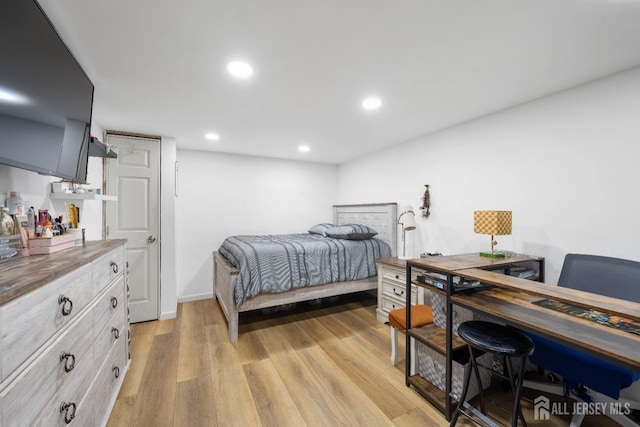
46 98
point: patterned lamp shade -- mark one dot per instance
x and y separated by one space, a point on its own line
492 222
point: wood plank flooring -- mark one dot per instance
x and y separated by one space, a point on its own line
323 365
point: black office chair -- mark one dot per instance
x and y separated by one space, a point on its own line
584 377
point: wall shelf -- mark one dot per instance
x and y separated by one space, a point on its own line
83 196
100 149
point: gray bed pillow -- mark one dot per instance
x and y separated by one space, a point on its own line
321 229
352 232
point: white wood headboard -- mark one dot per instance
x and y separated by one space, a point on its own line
382 217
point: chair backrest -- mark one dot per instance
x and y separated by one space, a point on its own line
613 277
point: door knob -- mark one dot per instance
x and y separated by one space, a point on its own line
151 239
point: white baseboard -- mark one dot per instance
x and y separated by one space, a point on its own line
197 297
168 315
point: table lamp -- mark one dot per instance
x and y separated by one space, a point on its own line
407 220
495 223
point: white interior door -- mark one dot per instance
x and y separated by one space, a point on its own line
135 178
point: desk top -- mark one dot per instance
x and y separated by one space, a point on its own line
454 263
603 303
516 308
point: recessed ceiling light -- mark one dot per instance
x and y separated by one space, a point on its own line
212 136
371 103
304 148
239 69
12 97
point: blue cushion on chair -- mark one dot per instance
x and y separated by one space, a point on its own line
578 367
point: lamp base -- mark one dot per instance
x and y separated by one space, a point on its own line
492 254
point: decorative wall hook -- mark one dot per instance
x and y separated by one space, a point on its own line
426 202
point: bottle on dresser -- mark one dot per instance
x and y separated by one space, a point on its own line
15 204
31 222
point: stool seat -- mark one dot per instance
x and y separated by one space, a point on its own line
487 337
420 315
495 338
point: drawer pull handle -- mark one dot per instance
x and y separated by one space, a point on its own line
116 372
397 277
67 305
114 302
65 407
68 367
399 294
114 267
115 332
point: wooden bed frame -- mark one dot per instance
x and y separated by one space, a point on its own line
382 217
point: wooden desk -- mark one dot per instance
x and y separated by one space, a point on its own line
512 302
446 270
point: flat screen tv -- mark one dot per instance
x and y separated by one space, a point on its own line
46 98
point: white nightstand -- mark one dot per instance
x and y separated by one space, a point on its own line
392 287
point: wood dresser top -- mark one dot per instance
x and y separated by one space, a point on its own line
23 275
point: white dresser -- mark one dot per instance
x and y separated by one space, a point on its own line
392 287
64 348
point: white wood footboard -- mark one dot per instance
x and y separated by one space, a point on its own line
224 277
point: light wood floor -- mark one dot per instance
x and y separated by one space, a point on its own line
326 365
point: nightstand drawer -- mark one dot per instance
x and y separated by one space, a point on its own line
396 291
393 276
388 304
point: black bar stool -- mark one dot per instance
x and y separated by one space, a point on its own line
486 337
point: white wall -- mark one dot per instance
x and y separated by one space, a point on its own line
221 195
566 165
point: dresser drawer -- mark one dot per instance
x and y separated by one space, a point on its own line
107 268
72 392
114 332
49 308
112 301
109 376
47 373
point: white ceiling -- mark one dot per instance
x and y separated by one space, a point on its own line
158 66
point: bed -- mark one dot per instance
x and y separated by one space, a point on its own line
379 216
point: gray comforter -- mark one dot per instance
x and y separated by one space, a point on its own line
279 263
